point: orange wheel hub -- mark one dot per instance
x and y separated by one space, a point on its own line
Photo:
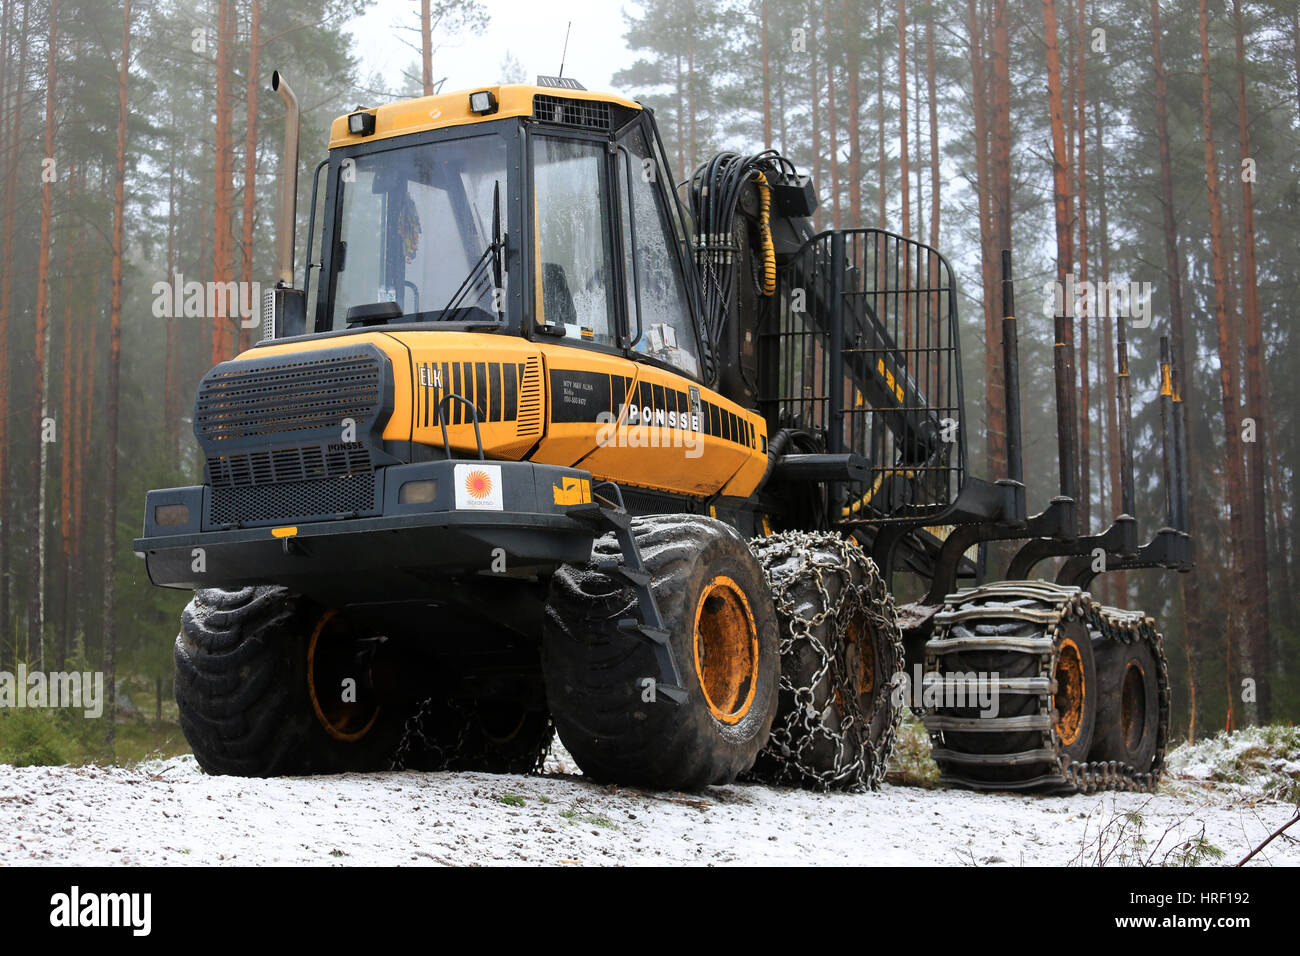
726 650
1070 692
346 710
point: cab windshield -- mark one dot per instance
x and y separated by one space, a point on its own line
415 233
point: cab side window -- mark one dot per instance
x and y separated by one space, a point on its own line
661 320
575 281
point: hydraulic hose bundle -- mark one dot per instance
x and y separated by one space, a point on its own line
716 188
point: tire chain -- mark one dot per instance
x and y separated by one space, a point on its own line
794 735
413 737
1112 624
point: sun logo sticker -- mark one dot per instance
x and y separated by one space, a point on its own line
478 487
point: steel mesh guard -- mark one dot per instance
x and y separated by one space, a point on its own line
891 392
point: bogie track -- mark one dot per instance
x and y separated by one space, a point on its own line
1037 649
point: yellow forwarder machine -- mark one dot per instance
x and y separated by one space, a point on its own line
536 446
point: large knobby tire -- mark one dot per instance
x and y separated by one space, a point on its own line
841 647
1128 713
474 735
260 678
715 604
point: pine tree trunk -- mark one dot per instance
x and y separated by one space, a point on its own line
814 88
1257 583
994 387
882 209
830 126
999 167
113 382
6 12
250 162
693 146
1119 582
853 126
933 99
67 430
767 79
682 171
10 203
40 404
1064 246
1295 47
1085 316
426 48
222 212
171 401
904 197
918 167
1282 542
1178 340
85 442
1231 411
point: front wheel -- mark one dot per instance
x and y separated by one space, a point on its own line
601 677
269 683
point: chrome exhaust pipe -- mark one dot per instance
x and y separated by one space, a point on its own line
288 183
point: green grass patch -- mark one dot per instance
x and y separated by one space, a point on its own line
910 765
1263 759
578 818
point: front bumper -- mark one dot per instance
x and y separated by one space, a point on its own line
514 524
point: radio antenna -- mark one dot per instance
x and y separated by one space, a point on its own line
565 51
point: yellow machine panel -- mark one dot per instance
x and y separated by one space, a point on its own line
644 426
452 109
500 375
563 405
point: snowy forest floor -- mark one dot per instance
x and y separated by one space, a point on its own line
1209 810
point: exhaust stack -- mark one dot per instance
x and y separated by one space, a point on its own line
284 237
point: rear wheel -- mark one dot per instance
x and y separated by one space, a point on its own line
1012 668
269 683
601 678
840 649
1129 713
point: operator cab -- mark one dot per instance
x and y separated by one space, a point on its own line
527 210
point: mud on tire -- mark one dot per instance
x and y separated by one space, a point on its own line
714 601
249 664
840 649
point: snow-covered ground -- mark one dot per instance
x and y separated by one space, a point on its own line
169 812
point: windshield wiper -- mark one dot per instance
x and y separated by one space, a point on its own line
488 264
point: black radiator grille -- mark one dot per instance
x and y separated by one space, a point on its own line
293 501
245 399
584 114
286 464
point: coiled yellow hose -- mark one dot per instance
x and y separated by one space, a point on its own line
765 234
